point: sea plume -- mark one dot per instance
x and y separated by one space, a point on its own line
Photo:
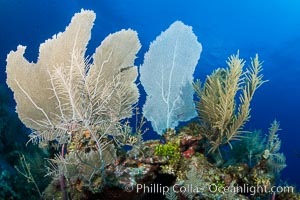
221 122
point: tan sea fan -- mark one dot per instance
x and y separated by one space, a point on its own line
65 90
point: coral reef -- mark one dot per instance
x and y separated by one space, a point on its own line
193 172
77 108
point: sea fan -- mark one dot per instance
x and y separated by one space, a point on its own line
65 91
66 94
167 77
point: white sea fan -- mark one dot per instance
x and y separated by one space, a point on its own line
167 77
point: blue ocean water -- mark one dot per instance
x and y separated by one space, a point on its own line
270 28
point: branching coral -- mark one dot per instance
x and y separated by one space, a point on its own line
25 170
82 170
221 123
275 160
248 150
